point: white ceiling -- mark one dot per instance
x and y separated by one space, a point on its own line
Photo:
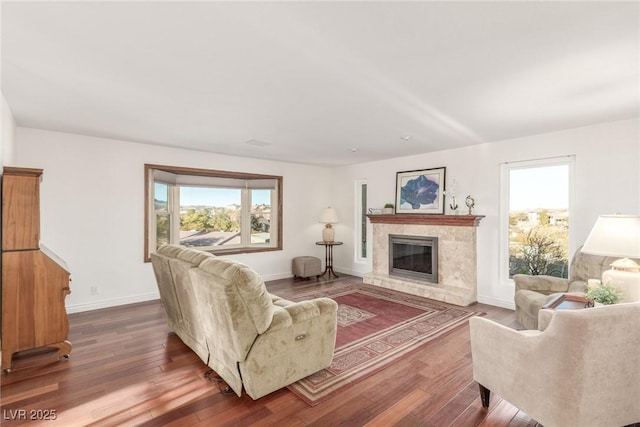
318 79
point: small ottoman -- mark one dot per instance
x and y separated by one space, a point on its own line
306 266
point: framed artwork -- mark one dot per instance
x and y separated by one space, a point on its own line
420 191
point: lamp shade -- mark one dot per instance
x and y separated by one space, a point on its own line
614 236
329 216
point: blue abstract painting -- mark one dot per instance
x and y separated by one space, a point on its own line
419 191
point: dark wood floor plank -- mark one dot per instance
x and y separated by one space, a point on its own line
450 412
396 412
473 415
501 415
353 412
128 368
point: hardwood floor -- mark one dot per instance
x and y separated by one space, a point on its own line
128 368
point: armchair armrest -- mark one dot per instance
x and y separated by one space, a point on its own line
513 363
499 351
543 284
578 286
544 318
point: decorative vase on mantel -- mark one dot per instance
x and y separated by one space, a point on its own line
453 206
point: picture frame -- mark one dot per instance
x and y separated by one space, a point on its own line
420 191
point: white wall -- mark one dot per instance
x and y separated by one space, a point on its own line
607 169
92 210
7 134
92 200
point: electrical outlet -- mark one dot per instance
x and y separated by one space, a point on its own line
94 290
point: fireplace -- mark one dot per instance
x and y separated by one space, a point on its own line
415 257
457 255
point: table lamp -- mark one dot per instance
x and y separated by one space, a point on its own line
328 217
618 236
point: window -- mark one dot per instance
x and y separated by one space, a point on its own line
162 213
361 221
216 211
536 208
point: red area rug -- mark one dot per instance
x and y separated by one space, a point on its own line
376 327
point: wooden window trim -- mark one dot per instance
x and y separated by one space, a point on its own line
212 173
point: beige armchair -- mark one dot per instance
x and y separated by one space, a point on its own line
582 370
532 292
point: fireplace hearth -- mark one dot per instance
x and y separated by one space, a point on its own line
415 257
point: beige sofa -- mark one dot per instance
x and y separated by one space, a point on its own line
532 292
251 338
582 370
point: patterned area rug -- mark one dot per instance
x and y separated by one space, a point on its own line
376 327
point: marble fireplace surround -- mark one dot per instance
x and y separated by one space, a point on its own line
457 260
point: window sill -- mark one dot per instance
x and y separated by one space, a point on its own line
234 251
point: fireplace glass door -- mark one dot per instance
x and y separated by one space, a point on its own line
414 257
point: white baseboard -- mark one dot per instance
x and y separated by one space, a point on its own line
276 276
288 275
497 302
349 272
78 308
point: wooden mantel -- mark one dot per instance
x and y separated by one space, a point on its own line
422 219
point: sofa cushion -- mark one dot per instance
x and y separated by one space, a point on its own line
193 256
249 289
166 288
234 308
170 251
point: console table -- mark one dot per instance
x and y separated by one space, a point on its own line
328 257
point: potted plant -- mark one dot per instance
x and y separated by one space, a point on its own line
604 294
388 208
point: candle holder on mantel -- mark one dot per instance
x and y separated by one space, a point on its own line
470 204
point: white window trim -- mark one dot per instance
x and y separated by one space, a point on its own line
505 168
357 243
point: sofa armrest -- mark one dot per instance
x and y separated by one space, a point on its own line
543 284
312 308
284 317
276 300
299 342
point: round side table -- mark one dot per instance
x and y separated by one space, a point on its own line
328 257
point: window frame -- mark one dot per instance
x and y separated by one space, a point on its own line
167 212
150 212
361 228
505 187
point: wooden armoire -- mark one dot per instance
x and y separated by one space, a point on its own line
35 281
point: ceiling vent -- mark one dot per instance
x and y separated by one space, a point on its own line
257 143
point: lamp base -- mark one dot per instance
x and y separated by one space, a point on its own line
627 281
328 233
